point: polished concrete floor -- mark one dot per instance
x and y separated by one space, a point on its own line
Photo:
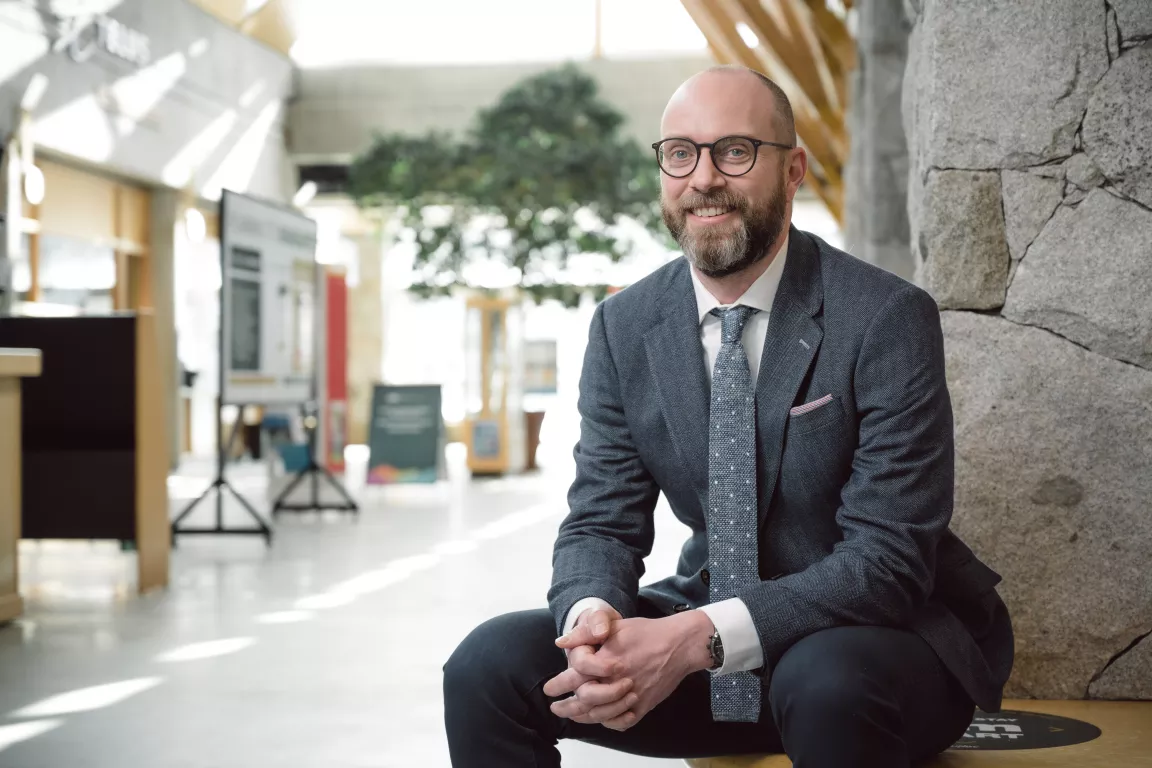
324 650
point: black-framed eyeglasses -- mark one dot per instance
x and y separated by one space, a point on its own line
732 155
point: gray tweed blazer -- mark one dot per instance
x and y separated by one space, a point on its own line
855 496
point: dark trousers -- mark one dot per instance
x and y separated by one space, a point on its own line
840 698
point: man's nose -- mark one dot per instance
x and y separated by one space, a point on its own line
706 177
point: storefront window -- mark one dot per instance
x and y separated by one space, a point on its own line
77 273
22 271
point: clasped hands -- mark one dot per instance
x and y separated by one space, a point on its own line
620 669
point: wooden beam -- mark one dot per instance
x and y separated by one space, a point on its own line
272 24
801 23
824 192
34 291
721 34
841 79
153 529
834 34
818 137
830 191
723 38
786 40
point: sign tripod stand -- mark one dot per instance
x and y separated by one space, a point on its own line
219 483
313 471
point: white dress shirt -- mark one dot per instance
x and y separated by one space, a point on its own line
731 617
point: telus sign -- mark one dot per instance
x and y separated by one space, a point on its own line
82 36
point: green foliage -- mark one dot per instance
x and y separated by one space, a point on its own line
543 174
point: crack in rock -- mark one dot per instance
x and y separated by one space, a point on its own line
1117 193
1071 88
1074 197
1130 647
1111 42
1042 172
1070 341
1042 228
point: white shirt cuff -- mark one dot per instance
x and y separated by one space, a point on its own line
742 651
579 607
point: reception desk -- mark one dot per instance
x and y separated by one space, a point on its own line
94 449
15 364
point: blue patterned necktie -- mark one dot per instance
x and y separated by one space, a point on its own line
732 511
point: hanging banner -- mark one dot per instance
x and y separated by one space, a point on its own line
405 437
268 302
336 425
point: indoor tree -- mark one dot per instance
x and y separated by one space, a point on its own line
540 176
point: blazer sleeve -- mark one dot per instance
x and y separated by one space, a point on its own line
602 543
897 501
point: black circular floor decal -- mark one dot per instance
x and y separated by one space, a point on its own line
1024 730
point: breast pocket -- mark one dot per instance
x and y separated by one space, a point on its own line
818 447
815 415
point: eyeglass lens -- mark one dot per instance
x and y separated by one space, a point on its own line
732 155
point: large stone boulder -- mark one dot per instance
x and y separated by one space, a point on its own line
1118 125
1000 84
961 240
1052 489
1088 277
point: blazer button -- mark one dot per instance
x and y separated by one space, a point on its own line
680 607
705 576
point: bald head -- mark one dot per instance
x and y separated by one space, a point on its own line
725 100
728 212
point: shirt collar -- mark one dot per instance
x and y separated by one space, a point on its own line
759 295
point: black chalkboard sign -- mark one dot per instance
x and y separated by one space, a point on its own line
405 434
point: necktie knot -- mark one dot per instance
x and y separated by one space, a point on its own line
732 322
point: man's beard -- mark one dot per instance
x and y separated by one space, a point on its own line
715 253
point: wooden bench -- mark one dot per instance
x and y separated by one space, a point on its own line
1125 741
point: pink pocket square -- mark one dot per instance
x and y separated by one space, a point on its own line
807 407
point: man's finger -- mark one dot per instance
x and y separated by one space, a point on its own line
593 629
565 682
624 722
600 621
610 712
585 661
570 708
581 635
595 693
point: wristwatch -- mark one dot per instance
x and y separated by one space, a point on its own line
716 648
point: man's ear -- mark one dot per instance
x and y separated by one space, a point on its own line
797 170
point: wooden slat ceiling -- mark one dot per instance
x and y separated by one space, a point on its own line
807 49
271 22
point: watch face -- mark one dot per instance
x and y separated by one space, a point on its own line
716 647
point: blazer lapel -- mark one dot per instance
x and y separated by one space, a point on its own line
789 349
676 358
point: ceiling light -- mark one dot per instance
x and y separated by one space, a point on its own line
195 226
34 185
